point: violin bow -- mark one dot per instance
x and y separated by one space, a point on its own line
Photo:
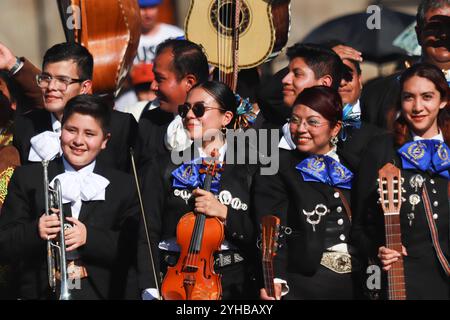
152 261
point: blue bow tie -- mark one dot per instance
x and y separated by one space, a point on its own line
321 168
349 119
188 176
432 155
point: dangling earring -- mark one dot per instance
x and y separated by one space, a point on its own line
223 130
333 141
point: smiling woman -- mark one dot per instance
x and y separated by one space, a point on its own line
311 196
173 189
420 149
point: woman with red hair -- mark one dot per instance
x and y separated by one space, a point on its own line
311 196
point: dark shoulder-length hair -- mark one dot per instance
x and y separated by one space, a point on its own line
324 100
435 75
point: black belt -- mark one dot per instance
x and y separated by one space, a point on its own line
221 258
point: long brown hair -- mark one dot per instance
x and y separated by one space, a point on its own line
433 74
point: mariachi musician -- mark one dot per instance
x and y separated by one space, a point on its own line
419 147
311 196
173 189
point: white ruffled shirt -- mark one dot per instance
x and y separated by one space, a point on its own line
78 186
81 185
177 138
46 145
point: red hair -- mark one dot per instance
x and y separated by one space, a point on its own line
323 100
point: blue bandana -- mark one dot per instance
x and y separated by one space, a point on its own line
432 155
188 176
349 119
321 168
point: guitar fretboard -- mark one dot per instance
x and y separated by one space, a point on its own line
396 278
268 278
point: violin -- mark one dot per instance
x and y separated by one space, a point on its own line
199 236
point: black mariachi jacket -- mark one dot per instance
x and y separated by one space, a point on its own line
164 206
369 219
288 196
111 224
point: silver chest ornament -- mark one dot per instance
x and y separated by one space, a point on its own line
183 194
320 210
416 182
227 199
414 200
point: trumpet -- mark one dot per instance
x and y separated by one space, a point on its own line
56 249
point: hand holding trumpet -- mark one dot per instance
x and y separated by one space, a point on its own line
49 227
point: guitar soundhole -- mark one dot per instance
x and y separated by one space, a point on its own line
223 16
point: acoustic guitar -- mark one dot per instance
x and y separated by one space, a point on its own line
270 226
238 34
390 188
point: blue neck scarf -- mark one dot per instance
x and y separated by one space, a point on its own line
188 176
426 155
324 169
349 119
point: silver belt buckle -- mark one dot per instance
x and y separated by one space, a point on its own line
339 262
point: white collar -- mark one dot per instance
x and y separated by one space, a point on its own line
56 124
222 151
356 108
154 104
333 154
447 75
286 140
85 170
439 137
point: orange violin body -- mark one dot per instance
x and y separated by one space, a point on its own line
193 277
199 236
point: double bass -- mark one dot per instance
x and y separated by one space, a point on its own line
238 34
199 236
110 30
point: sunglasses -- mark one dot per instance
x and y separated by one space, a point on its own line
198 109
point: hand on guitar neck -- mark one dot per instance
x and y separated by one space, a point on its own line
264 296
389 256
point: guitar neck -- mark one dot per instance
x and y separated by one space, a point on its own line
268 278
396 277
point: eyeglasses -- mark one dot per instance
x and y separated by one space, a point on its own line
198 109
307 123
61 82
